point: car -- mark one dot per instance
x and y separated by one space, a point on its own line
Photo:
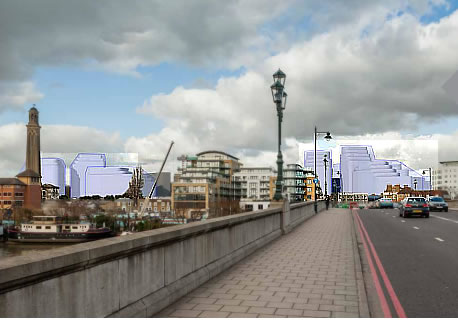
414 206
385 202
437 204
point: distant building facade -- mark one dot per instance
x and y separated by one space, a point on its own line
323 176
78 170
294 182
362 172
204 186
157 206
256 187
107 180
53 172
163 188
25 189
12 193
445 177
90 175
49 192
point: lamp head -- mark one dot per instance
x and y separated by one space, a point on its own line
279 76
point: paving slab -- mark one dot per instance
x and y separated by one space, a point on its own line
310 272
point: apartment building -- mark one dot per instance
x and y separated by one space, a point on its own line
159 206
298 183
309 186
204 186
257 187
12 192
445 177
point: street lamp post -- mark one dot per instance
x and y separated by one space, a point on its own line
325 161
279 97
327 137
339 187
430 179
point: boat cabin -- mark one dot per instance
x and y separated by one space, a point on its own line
53 224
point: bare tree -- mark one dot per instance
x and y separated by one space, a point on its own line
135 186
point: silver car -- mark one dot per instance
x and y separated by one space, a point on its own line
437 204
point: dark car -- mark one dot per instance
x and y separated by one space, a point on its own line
414 206
437 204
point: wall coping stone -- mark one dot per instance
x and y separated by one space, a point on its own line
47 264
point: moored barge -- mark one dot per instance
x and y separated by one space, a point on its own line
51 229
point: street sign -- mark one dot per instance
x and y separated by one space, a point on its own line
315 180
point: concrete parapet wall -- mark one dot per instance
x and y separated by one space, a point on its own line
300 213
139 274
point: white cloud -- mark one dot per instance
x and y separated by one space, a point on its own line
15 95
54 139
339 81
355 73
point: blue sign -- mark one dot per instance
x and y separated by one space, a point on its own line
315 180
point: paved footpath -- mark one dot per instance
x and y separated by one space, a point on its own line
309 272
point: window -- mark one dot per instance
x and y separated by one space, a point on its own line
5 194
48 227
38 227
74 227
260 206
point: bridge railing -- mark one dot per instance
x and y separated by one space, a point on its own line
140 274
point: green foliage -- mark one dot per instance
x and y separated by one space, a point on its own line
107 219
148 225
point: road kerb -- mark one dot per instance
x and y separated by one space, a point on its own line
362 295
367 294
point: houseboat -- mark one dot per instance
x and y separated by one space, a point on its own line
51 229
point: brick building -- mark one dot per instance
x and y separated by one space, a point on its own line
12 193
25 189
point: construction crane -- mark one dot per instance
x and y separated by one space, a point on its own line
145 202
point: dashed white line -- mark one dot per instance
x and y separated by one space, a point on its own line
403 221
443 218
439 239
417 228
394 216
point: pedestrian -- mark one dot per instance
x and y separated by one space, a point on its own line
327 202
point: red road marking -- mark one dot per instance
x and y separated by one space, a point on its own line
378 287
394 298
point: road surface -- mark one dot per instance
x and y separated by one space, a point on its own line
420 258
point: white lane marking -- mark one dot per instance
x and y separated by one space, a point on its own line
417 228
443 218
403 221
440 240
394 216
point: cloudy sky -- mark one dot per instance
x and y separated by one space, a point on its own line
129 76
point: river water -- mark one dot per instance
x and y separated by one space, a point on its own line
9 249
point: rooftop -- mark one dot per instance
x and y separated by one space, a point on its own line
217 152
28 173
10 181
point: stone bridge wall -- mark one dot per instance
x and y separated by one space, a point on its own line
139 274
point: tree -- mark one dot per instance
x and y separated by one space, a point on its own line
135 186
